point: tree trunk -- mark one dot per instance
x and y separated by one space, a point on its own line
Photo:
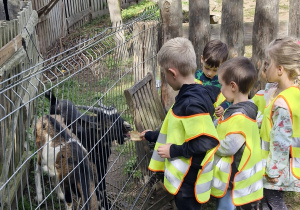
199 26
265 29
294 18
171 14
232 27
114 7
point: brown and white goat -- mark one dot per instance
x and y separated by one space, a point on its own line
63 157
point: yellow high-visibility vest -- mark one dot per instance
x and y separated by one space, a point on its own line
291 96
177 130
260 102
247 182
198 82
221 98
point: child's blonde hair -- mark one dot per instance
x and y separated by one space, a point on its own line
286 53
178 53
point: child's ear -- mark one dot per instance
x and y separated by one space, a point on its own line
202 61
280 70
173 72
233 85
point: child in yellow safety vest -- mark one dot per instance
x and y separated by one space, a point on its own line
187 140
214 54
280 129
259 98
238 170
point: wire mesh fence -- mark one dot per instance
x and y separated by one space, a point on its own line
64 127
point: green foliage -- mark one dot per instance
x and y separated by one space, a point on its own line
30 138
284 7
126 148
134 10
130 168
249 12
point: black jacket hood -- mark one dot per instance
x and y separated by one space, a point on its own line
194 99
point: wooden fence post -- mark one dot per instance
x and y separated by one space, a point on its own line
232 27
171 14
265 29
199 26
294 18
144 47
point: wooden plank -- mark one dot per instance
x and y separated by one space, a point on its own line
100 12
47 8
30 26
77 17
140 84
13 61
13 186
10 48
147 107
155 111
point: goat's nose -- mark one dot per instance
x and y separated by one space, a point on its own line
127 126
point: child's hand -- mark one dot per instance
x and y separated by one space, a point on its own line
142 136
272 180
219 111
164 150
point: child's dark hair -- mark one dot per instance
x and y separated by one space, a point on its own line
239 70
215 52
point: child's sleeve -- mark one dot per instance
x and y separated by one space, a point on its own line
280 141
231 144
152 136
225 104
193 147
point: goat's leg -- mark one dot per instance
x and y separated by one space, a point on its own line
68 197
39 193
105 202
60 193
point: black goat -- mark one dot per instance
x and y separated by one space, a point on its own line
95 132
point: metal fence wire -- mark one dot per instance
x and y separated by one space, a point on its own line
64 124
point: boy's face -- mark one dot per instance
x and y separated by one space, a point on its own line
226 89
209 72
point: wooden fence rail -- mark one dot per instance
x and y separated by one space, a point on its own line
18 52
66 15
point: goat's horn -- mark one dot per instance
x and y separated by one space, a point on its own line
97 110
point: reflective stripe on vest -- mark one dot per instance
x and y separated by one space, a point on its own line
291 96
295 154
157 163
222 171
177 130
206 185
162 138
247 183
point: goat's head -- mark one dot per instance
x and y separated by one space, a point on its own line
120 128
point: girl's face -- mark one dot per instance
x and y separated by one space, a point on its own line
271 70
